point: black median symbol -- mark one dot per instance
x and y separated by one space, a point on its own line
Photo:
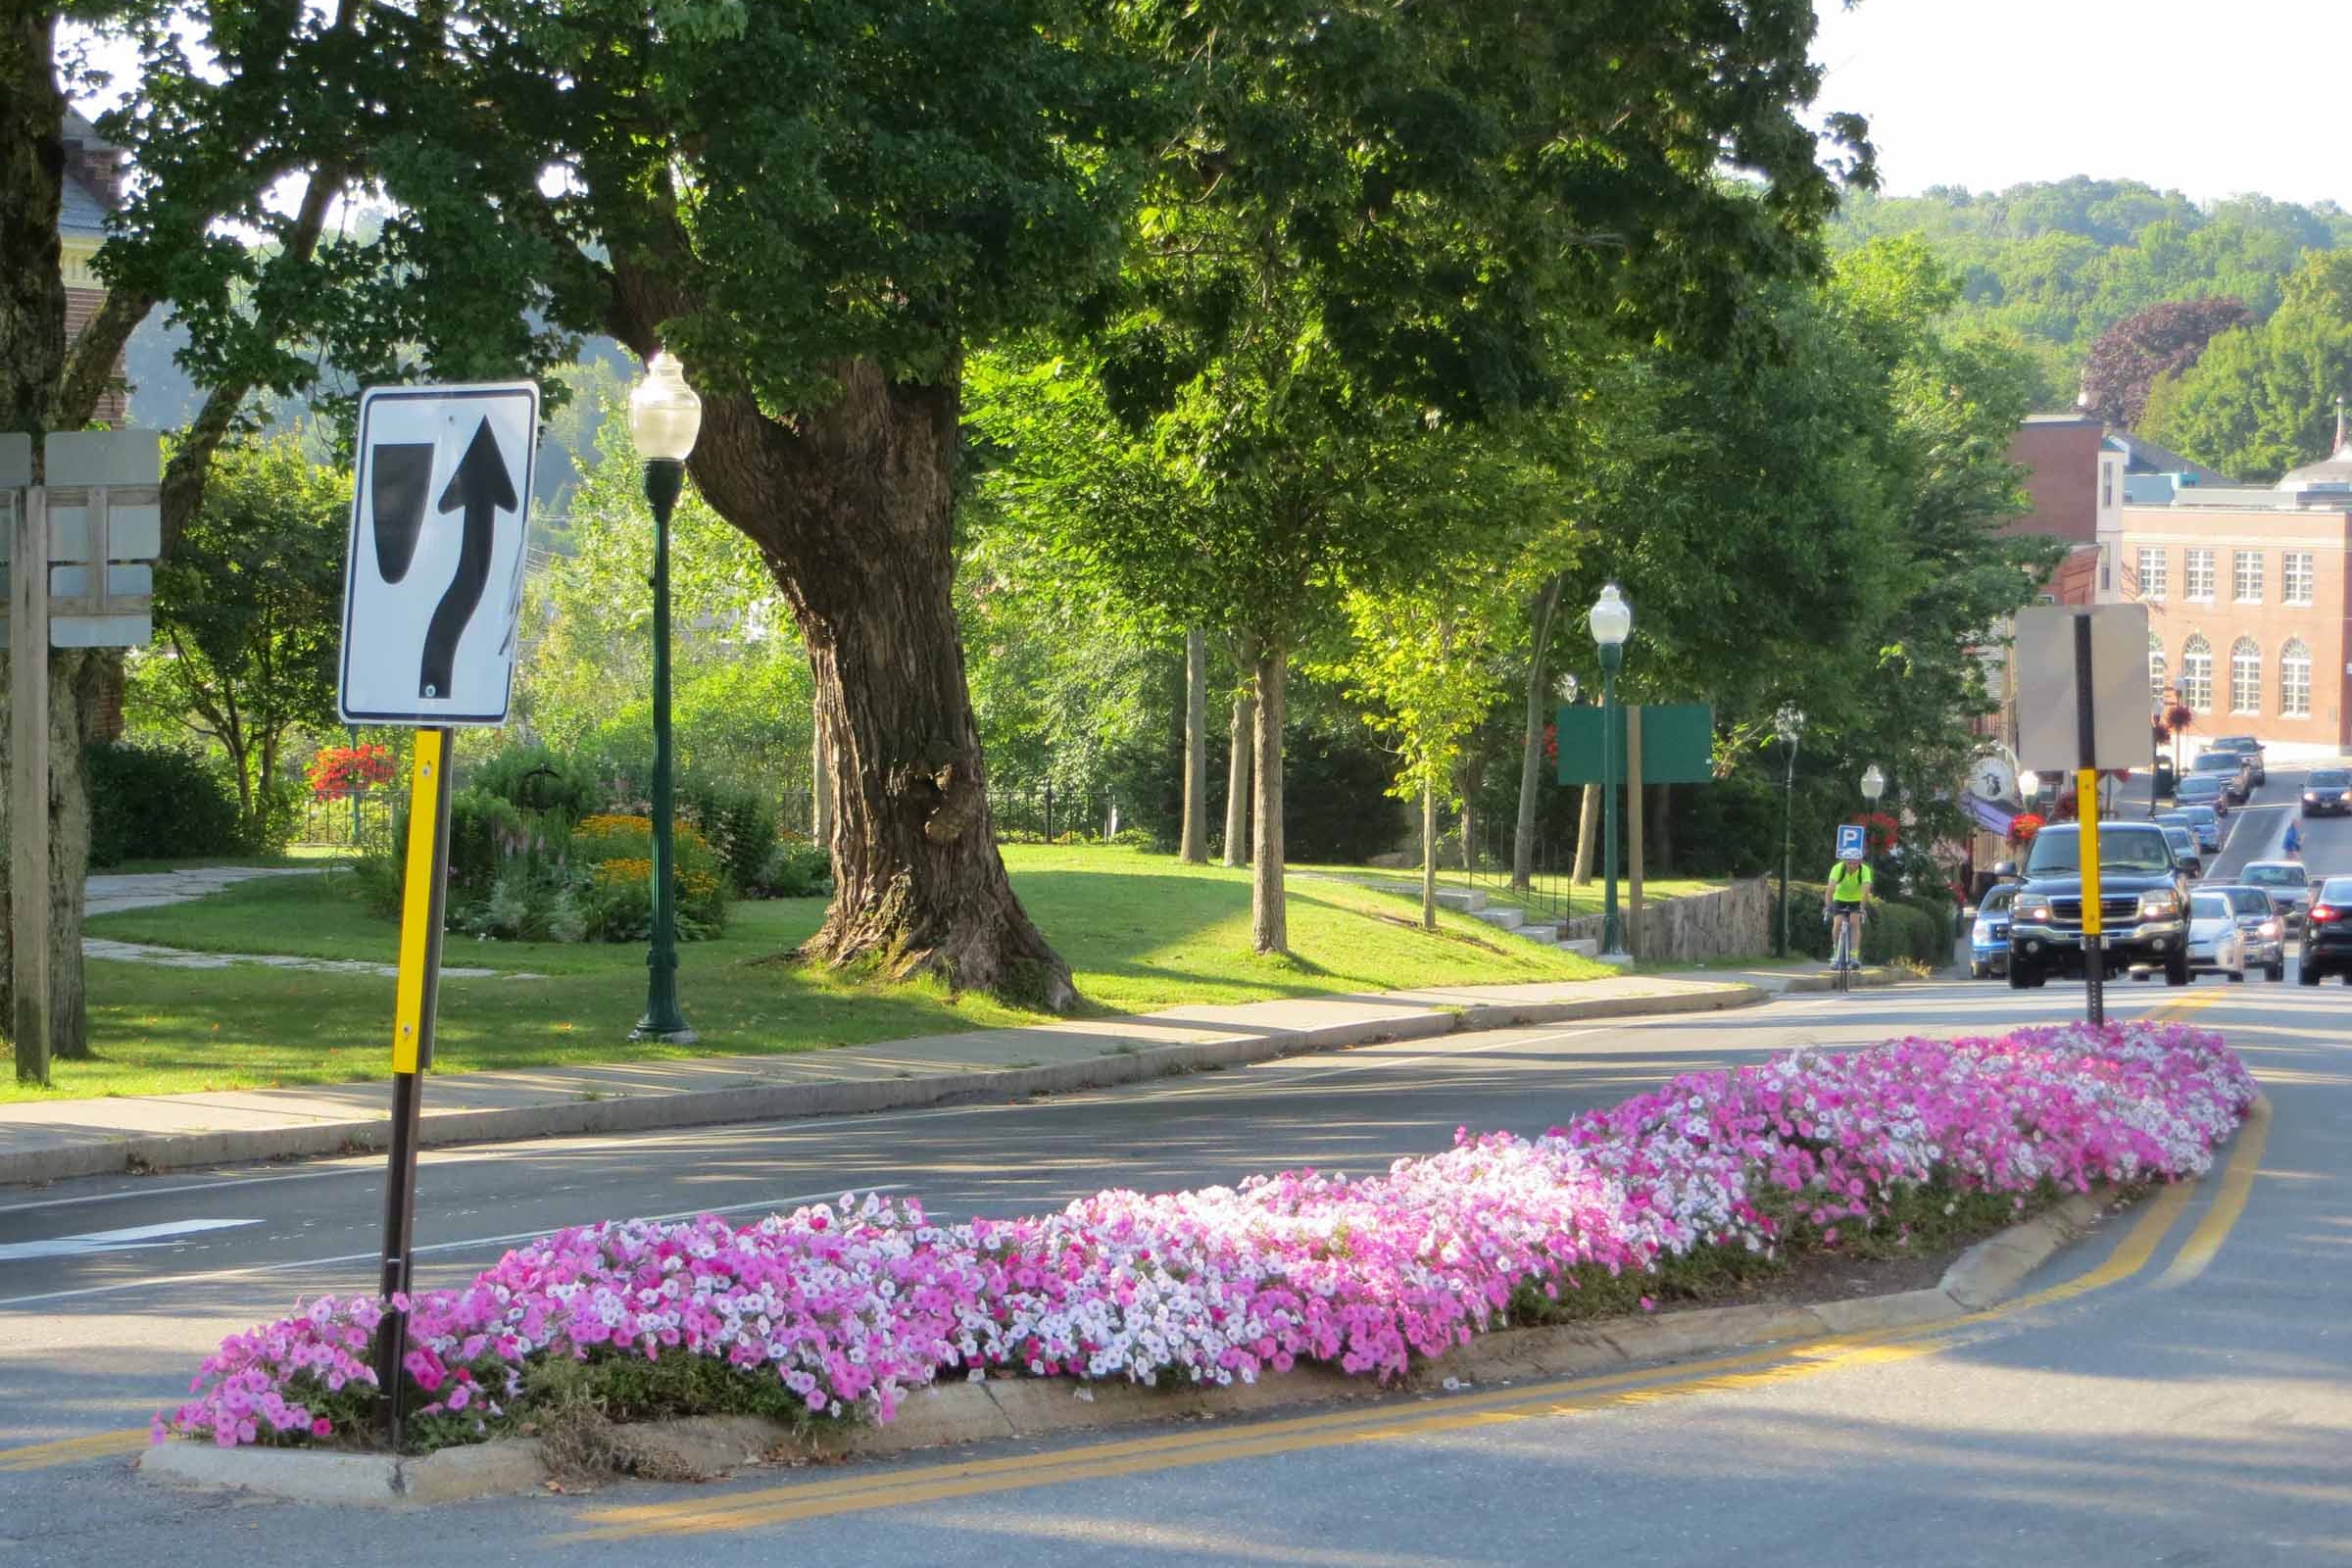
484 488
398 473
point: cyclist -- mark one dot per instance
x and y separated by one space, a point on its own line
1842 901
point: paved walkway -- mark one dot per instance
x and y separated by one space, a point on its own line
48 1139
148 890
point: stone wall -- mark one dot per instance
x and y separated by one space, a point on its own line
1734 923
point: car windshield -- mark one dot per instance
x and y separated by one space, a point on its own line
2058 851
2183 841
2250 901
2194 787
2331 778
2274 876
2336 890
2215 762
2236 743
2208 906
1997 902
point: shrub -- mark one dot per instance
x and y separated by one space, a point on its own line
616 853
158 802
740 826
534 778
1893 929
797 871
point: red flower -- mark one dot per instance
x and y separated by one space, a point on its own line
1879 831
339 771
2022 828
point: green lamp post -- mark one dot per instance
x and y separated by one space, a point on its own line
1612 621
1789 725
664 417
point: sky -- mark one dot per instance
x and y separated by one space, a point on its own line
2206 98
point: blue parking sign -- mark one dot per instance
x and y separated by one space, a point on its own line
1849 841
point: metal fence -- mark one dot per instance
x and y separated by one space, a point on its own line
1041 811
343 824
1550 893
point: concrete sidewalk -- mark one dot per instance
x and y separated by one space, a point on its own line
43 1140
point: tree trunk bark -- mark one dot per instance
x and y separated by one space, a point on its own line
1241 739
821 781
852 507
1588 834
1192 845
1429 854
1531 747
1269 926
1469 777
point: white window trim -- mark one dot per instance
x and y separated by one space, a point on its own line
2237 576
2154 586
2310 575
2189 578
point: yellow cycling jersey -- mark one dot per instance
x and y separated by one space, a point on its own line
1849 881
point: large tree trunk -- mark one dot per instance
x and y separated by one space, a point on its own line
852 507
1241 738
1193 844
1429 853
1530 745
1269 924
821 781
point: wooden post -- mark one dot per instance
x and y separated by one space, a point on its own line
28 782
1632 828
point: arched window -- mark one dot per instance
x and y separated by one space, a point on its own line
2294 680
2196 674
2246 676
2155 671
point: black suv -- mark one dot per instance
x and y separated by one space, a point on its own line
2143 905
2328 932
2247 747
2327 792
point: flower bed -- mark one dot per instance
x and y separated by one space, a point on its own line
839 1309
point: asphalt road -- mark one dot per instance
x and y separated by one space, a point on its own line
2194 1410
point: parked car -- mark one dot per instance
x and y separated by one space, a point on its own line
2184 848
2327 792
2235 775
1989 937
2200 820
2203 789
2328 932
2258 923
2287 883
2247 747
2143 905
2216 945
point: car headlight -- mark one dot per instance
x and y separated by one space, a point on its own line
2036 912
2158 906
1981 932
2268 928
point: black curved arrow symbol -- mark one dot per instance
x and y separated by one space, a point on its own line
397 474
484 488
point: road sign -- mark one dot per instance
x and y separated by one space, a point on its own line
1678 743
433 584
1850 846
2049 733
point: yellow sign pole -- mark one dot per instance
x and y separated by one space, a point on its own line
2086 813
415 999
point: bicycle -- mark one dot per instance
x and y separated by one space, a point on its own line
1845 946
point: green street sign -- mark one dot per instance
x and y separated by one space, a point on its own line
1678 743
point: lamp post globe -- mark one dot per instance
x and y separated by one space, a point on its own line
664 418
1612 622
1874 783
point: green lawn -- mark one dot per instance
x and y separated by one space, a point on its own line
1140 932
1579 901
294 855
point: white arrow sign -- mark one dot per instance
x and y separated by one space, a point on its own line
434 580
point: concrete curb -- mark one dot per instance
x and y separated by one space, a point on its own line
997 1409
628 1113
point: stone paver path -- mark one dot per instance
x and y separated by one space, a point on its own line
149 890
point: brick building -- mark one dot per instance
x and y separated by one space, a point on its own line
2248 599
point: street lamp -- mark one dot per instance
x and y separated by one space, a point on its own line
1789 725
1612 618
664 417
1874 783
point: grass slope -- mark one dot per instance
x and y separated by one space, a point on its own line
1140 932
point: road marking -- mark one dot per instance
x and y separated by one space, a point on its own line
121 1241
298 1265
1149 1455
74 1451
2237 1184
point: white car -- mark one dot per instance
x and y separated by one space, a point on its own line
2215 944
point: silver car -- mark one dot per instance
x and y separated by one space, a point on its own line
2216 945
2260 924
2288 884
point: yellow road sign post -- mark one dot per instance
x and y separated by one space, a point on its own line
417 997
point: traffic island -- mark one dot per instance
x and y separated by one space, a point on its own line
1001 1408
1501 1255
